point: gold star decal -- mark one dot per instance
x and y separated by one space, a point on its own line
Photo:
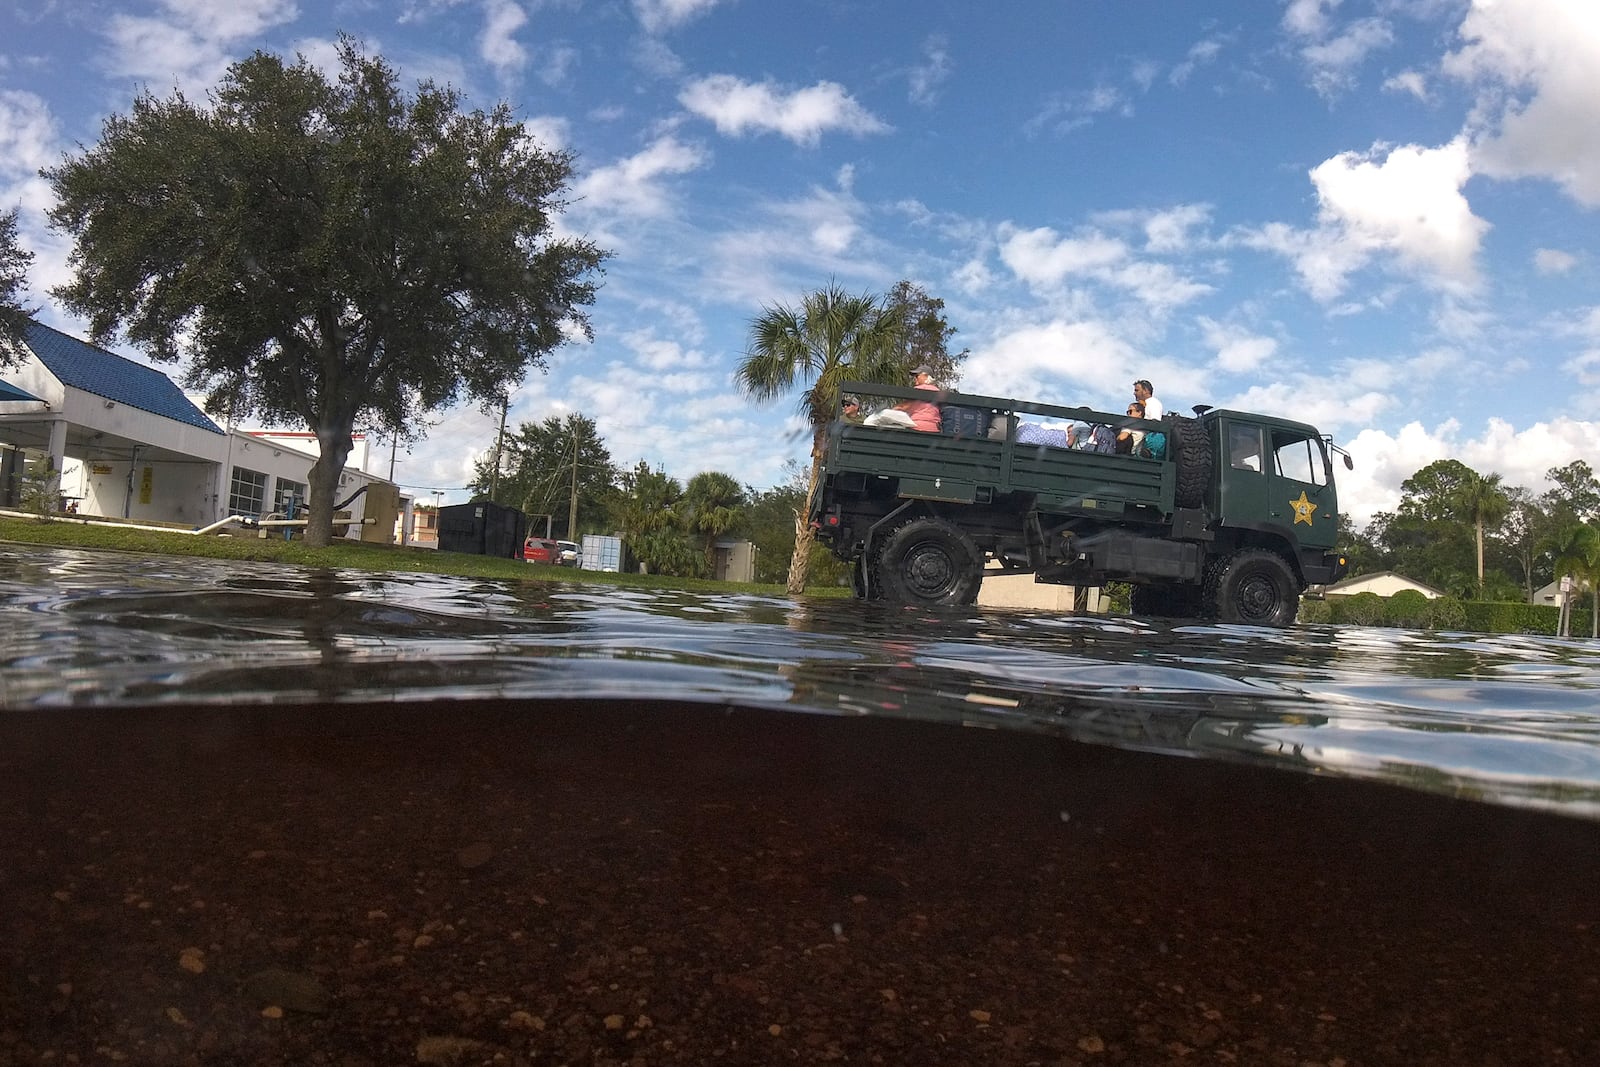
1303 509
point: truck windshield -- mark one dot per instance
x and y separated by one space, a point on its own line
1299 458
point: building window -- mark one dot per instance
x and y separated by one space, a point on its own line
247 492
280 499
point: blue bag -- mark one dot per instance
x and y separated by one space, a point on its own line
1154 445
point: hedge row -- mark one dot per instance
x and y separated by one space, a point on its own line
1411 610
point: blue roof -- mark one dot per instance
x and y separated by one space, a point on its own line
94 370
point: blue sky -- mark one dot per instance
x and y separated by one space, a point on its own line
1379 216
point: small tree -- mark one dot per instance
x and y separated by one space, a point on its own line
41 486
14 314
715 504
326 253
649 511
542 460
1480 500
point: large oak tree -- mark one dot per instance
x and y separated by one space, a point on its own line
14 260
332 252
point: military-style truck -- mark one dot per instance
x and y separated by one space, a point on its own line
1232 521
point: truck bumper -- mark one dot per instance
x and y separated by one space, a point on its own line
1325 568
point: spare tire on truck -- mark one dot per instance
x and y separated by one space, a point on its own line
1191 448
931 562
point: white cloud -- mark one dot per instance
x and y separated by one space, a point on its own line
1384 460
1169 231
1540 115
1553 261
1237 349
1041 257
1064 112
1044 259
28 135
738 107
659 354
1041 360
188 47
1333 62
1406 207
634 186
658 16
1306 18
927 76
1200 54
498 45
1408 81
550 131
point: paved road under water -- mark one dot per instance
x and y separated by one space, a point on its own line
266 815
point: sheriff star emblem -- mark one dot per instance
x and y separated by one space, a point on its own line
1303 509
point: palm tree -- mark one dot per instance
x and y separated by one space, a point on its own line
830 337
1576 547
1481 500
716 505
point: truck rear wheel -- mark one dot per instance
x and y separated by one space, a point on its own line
930 561
1254 586
1192 447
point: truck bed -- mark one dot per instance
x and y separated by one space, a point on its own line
936 466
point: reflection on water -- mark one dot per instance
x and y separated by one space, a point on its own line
1513 719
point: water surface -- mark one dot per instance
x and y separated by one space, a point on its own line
1510 719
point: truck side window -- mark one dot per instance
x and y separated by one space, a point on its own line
1299 458
1244 447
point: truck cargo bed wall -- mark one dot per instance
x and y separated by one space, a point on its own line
939 467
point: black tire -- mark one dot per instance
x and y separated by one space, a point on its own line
929 562
1192 447
1166 600
1255 587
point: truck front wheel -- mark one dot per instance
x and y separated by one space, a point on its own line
1254 587
930 561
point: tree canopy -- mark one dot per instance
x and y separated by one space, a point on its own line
537 472
327 252
14 314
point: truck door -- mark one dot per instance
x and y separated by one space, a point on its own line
1243 481
1300 486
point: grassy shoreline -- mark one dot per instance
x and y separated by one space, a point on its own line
354 555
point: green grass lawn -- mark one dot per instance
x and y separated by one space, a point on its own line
349 554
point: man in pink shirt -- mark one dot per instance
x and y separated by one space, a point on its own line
912 414
924 416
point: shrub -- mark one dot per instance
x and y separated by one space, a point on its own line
1315 610
1446 613
1407 608
1363 609
1506 617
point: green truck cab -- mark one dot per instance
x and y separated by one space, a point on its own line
1232 521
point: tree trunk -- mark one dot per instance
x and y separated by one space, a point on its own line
1478 528
800 562
324 484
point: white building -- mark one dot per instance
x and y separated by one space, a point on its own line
128 444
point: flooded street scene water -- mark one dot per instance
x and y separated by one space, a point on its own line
263 814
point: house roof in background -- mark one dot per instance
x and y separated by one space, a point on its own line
84 366
1347 584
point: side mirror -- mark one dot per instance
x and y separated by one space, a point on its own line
1348 465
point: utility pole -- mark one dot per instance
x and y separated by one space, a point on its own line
572 508
394 445
494 478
